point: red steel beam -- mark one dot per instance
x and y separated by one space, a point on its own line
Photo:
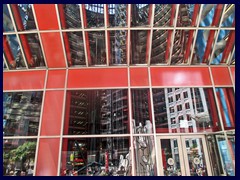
229 46
215 22
170 33
23 37
229 108
148 33
86 35
8 53
190 36
65 36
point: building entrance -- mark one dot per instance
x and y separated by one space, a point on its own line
183 156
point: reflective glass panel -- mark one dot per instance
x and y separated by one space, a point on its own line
117 14
13 52
69 16
159 47
74 47
185 110
118 47
21 113
96 112
145 156
97 47
140 14
226 101
228 16
4 65
141 110
188 15
104 156
232 61
95 15
163 15
139 41
211 14
32 50
19 157
7 22
27 19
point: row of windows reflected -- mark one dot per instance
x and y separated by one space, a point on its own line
89 112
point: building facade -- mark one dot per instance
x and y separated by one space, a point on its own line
119 89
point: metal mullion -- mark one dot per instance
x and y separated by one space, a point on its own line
5 62
230 72
106 33
61 35
40 123
129 34
83 34
96 136
151 35
19 137
231 56
62 123
40 39
195 35
173 35
218 31
153 119
15 29
130 124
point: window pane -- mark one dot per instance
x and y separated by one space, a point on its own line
19 157
142 120
145 156
117 14
69 15
24 11
13 52
163 14
118 47
226 101
104 156
229 16
96 112
95 15
140 14
195 113
21 112
7 22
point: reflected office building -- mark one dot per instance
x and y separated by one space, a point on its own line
119 90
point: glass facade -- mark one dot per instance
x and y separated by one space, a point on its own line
119 90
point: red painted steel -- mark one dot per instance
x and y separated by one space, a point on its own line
221 76
65 36
53 49
230 107
67 113
180 76
24 80
46 16
8 53
56 79
47 163
104 77
52 113
17 17
229 46
139 77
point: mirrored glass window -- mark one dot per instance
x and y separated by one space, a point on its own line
96 112
188 15
19 157
95 15
190 113
7 22
164 15
104 156
117 14
229 16
140 14
21 113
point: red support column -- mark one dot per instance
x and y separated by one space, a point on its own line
229 107
65 36
8 53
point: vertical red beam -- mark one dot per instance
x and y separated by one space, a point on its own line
148 33
67 113
229 107
190 36
86 34
65 37
170 33
230 96
213 111
8 53
229 46
215 22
